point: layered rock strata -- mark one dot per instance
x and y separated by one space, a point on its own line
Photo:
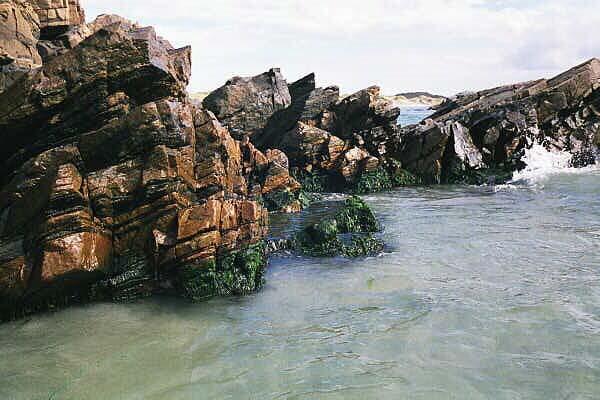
114 186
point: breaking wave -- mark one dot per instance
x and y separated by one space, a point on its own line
542 163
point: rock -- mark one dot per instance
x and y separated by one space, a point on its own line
330 236
57 15
19 34
371 117
385 177
307 107
423 151
332 142
75 34
46 113
115 186
237 167
244 105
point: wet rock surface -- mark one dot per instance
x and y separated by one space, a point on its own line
114 186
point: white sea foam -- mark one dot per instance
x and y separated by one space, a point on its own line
542 163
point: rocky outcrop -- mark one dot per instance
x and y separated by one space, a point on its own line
331 144
478 137
244 105
368 119
309 106
114 186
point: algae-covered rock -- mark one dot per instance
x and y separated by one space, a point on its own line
348 233
356 217
238 272
384 179
286 200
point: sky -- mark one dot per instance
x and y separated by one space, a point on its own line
440 46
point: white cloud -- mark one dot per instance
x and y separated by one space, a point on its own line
438 45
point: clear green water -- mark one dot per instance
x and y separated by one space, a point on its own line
482 294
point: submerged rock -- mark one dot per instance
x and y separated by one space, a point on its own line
349 233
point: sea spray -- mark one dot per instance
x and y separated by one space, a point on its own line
540 165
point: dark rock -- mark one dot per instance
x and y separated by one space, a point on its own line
423 151
307 106
244 105
369 116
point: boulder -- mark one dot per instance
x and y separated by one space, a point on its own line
244 105
367 118
308 106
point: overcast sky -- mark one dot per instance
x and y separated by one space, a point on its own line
442 46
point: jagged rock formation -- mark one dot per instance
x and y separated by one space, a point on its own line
244 105
114 185
478 135
331 144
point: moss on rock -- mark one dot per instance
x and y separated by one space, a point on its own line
384 179
234 273
362 246
484 176
356 217
324 239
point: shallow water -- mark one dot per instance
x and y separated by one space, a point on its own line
413 115
482 294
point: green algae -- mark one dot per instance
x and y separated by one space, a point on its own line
281 199
237 272
383 179
325 238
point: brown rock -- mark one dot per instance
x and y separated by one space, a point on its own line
109 176
197 219
80 252
19 34
249 212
